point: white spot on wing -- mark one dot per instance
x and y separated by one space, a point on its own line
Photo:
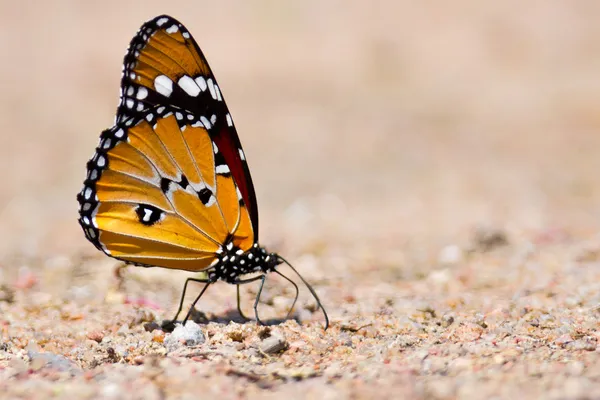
218 93
162 21
147 215
119 133
201 83
211 89
229 120
142 93
188 85
222 169
206 122
163 85
242 155
172 29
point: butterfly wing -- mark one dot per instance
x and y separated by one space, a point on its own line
165 66
159 193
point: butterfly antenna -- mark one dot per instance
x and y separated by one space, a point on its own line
295 297
312 291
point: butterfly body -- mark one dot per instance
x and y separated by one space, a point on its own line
169 185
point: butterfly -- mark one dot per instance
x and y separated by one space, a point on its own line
169 184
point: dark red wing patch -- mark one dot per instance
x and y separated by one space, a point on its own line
236 160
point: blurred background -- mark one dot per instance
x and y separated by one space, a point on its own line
377 132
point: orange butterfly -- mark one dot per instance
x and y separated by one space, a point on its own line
169 185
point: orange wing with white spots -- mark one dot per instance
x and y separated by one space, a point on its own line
165 66
159 193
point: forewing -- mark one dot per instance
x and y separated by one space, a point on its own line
165 66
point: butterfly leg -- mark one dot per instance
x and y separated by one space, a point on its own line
242 282
295 297
262 283
239 306
187 316
172 322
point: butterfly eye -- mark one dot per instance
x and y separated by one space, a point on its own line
169 184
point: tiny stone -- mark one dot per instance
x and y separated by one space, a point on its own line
563 340
123 330
95 336
534 322
188 335
151 326
447 320
479 320
121 351
54 361
7 294
583 344
273 344
236 336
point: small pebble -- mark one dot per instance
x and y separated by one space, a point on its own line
123 330
95 336
7 294
151 326
188 335
236 336
563 340
51 360
273 344
488 238
447 320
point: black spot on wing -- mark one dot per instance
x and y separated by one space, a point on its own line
183 182
165 184
204 195
148 214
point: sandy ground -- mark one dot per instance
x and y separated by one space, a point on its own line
431 169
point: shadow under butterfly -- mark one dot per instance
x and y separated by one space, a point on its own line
169 185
